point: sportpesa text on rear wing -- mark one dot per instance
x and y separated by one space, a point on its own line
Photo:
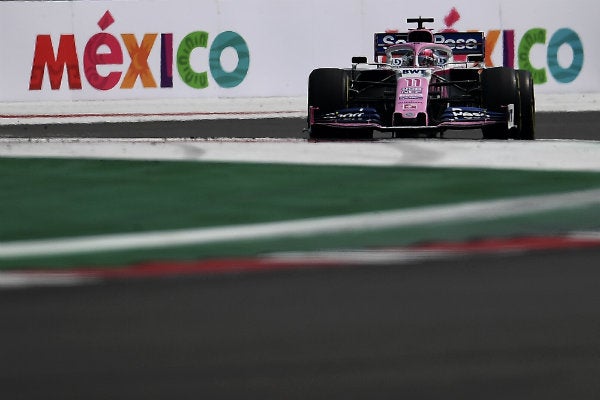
461 43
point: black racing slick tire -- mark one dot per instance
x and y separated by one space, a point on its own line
526 118
498 89
328 90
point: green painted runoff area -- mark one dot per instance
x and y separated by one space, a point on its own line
55 198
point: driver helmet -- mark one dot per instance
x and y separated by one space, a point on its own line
426 58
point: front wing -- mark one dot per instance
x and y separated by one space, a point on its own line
451 118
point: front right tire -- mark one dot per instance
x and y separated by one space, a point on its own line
526 121
502 86
498 89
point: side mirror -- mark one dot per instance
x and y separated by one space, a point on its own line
359 60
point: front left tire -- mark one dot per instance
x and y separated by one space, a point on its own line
328 90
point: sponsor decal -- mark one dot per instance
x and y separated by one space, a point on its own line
511 116
413 71
471 114
411 90
106 52
410 97
462 43
465 114
352 115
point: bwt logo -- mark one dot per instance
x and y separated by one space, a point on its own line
104 50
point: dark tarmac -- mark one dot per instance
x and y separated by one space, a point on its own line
581 126
502 326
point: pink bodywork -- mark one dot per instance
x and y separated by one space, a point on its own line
411 98
413 85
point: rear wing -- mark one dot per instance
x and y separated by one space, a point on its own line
461 43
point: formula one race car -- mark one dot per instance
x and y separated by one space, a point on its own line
421 83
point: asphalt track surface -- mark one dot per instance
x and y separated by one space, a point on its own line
582 126
496 326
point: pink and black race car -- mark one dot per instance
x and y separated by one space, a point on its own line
421 83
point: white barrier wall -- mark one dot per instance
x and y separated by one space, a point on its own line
95 50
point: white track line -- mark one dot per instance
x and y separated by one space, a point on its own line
552 155
102 111
24 279
478 210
